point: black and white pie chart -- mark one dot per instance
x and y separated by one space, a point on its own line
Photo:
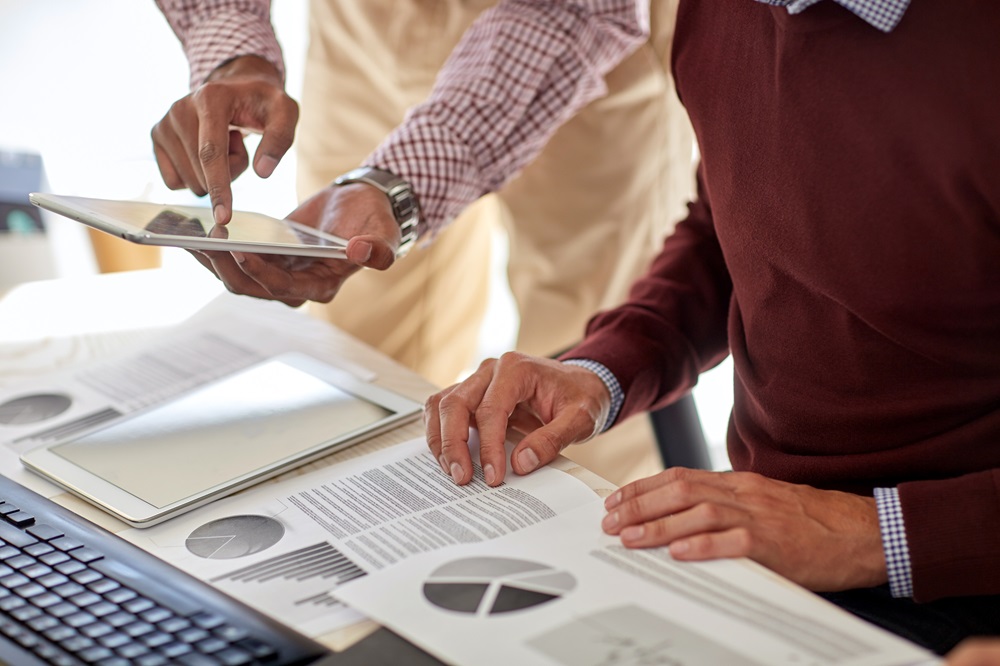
33 408
234 536
485 586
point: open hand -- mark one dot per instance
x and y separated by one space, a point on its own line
824 540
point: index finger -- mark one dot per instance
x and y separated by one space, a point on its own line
213 154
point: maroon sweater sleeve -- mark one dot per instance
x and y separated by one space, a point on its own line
673 325
952 531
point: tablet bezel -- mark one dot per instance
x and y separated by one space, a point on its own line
80 209
139 513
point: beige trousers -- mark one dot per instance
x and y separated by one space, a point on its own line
583 220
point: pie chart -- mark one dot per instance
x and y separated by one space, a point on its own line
234 536
33 408
485 586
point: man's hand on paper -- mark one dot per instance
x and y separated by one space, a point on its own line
824 540
976 652
199 142
552 404
357 211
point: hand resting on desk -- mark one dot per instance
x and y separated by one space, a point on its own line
823 540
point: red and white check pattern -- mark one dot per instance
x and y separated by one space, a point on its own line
524 68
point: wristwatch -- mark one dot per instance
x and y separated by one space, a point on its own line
401 198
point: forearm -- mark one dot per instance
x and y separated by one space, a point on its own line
673 325
213 32
522 69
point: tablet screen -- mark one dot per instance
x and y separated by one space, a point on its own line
237 425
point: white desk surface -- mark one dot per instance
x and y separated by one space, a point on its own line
56 323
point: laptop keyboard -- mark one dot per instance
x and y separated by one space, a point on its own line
72 593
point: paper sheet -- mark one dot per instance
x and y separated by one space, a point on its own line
282 547
565 594
228 334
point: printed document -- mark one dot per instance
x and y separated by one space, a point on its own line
562 593
282 547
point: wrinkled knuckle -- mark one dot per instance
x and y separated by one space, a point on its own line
210 151
674 474
548 443
489 411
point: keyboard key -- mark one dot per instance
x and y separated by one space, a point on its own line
44 532
151 660
68 567
53 579
137 605
207 620
196 659
37 549
174 650
21 562
132 650
120 596
76 643
36 570
120 619
97 629
86 555
156 639
7 552
15 537
85 599
155 615
137 629
174 624
14 580
115 640
20 518
79 619
88 576
46 600
53 558
7 508
29 590
210 645
257 648
66 544
102 608
95 653
230 633
101 585
192 635
67 590
25 613
232 656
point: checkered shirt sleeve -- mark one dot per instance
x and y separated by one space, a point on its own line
214 32
897 552
610 382
882 14
521 70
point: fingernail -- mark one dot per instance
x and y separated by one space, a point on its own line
456 472
679 548
266 166
366 250
218 212
633 532
489 474
610 521
444 465
238 256
613 500
527 460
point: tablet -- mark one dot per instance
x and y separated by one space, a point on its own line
219 438
193 227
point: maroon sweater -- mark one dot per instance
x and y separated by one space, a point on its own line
845 248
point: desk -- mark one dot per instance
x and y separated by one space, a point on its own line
51 324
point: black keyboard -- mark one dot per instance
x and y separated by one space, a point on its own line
73 593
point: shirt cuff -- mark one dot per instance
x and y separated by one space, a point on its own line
610 382
897 552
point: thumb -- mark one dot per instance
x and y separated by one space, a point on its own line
371 252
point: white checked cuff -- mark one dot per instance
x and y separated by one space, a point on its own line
614 388
897 551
